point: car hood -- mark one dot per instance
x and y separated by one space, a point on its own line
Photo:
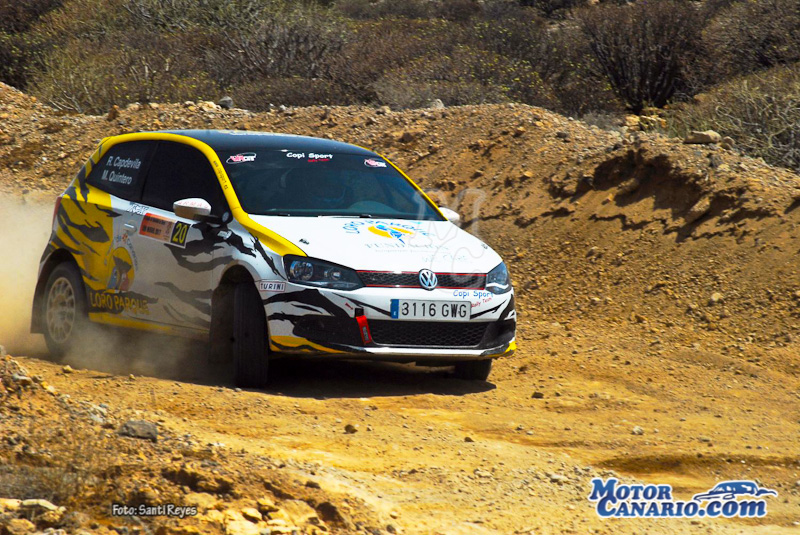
386 244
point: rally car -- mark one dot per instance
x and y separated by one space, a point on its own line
269 245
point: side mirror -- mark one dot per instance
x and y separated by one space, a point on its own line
451 215
192 208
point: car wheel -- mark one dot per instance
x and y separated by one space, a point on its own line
250 338
64 310
474 370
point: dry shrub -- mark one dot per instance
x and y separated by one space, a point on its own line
643 49
749 36
154 69
760 112
465 76
282 43
17 16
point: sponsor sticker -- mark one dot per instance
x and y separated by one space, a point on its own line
241 158
271 286
372 162
164 229
118 302
137 209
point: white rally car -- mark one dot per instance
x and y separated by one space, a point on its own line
268 245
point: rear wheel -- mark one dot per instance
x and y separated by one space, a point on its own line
474 370
250 338
64 310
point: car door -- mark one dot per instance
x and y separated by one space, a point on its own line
176 254
95 210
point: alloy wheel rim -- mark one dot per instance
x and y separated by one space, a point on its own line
61 310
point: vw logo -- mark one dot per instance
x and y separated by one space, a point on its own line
427 279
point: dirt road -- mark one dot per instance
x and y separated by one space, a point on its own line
449 456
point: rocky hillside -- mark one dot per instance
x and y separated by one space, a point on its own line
658 298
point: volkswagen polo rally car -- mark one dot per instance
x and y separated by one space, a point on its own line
269 245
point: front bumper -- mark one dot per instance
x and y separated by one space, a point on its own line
358 325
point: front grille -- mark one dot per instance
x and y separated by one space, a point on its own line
410 279
427 333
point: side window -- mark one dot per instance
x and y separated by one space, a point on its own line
122 168
178 172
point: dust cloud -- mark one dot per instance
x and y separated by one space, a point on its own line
24 231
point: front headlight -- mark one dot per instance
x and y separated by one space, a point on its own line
498 281
313 272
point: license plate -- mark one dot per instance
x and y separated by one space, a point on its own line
404 309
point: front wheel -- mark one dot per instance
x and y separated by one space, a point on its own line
250 338
474 370
64 309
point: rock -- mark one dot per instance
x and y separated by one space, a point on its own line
715 298
593 251
469 439
199 480
436 104
631 122
202 500
266 506
300 512
350 429
67 369
312 484
19 526
37 506
10 505
557 478
3 351
407 136
384 110
226 103
139 429
241 527
707 137
697 211
518 131
21 380
637 430
562 135
113 113
538 395
252 514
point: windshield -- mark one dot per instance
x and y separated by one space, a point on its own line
301 183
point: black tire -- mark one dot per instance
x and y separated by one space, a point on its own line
474 370
250 338
64 310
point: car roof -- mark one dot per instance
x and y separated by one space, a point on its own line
227 140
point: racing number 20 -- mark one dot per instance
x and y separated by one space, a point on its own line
179 233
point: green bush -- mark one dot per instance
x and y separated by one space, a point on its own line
760 112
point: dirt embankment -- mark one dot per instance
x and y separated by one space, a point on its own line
657 288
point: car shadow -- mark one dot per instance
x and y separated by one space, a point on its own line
323 379
187 361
